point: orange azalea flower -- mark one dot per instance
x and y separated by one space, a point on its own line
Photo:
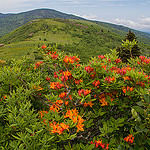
78 81
52 86
99 142
64 126
74 119
131 89
69 114
104 103
4 97
80 127
109 79
55 85
129 139
63 95
126 78
74 111
71 59
68 59
54 108
67 73
88 104
80 120
39 88
85 104
96 83
104 67
124 89
43 47
42 113
59 103
84 92
66 102
73 115
89 69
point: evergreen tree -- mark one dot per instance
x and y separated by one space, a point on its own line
125 53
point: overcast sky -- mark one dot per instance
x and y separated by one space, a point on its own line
131 13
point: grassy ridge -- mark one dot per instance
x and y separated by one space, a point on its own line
84 38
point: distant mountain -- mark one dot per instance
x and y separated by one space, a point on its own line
9 22
126 29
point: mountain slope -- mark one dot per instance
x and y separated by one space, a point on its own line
9 22
142 36
82 37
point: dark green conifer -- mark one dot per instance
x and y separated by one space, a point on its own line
124 53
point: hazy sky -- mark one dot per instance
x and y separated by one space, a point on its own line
131 13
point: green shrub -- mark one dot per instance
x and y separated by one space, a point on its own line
59 103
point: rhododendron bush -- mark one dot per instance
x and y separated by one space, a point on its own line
59 103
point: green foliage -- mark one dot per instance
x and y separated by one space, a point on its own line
59 103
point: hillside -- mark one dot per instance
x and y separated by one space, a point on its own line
142 36
9 22
81 37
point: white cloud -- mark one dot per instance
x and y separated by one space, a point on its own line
142 23
90 17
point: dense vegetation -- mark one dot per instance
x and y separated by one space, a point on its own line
59 103
85 38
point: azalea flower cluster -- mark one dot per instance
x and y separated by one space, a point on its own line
71 59
84 92
126 89
98 85
102 98
38 64
73 115
2 62
99 143
143 60
58 127
54 127
129 139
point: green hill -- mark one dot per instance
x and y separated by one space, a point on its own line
9 22
85 38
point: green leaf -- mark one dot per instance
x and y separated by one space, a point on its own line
73 136
89 147
105 127
138 109
147 98
50 138
16 137
135 115
30 131
121 147
82 146
148 141
39 131
140 103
